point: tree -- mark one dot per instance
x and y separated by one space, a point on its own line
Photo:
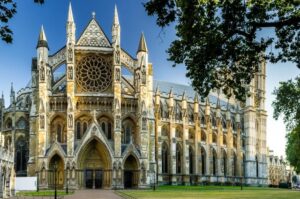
8 8
293 147
217 39
287 103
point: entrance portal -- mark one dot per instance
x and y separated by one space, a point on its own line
56 172
93 179
131 173
95 166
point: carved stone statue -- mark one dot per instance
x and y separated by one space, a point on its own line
70 117
42 121
42 72
70 73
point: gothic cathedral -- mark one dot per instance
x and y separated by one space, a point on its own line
94 127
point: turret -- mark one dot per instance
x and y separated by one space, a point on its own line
42 55
196 103
207 107
142 56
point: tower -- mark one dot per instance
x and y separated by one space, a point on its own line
116 44
44 89
70 48
255 119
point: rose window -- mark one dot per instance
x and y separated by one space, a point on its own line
94 73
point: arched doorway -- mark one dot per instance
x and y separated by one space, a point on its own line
95 165
56 167
131 172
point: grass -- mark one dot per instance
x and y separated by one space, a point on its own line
211 192
43 193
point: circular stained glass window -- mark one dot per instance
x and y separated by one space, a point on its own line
94 73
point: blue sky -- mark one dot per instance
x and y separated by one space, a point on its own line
16 58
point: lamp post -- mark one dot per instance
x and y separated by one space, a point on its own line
55 191
37 181
67 185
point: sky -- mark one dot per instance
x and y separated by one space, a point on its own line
15 59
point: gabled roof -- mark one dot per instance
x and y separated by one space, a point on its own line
94 36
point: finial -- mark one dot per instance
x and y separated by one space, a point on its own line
70 13
157 92
42 41
12 87
116 16
142 44
93 14
196 98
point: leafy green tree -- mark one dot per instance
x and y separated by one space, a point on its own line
293 147
287 102
218 43
8 8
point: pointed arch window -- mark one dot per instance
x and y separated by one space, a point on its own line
164 159
78 130
59 133
203 161
224 163
191 160
178 159
214 163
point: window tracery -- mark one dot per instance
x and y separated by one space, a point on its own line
94 73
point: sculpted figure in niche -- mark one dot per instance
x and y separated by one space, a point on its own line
42 121
144 75
70 117
70 53
42 72
117 57
118 74
118 122
70 73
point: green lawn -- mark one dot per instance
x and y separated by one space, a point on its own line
211 192
43 193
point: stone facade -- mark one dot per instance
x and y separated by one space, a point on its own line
277 168
102 129
7 174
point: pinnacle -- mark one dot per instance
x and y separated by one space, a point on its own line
42 41
142 44
70 14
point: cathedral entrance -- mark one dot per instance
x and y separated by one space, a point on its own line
56 172
95 166
93 179
131 173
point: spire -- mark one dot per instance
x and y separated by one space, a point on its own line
70 14
184 95
12 88
12 94
196 98
116 16
142 44
42 42
157 92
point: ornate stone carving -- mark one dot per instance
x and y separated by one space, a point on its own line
93 36
70 72
42 122
94 73
117 57
42 72
70 121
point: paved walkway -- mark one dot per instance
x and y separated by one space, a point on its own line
93 194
